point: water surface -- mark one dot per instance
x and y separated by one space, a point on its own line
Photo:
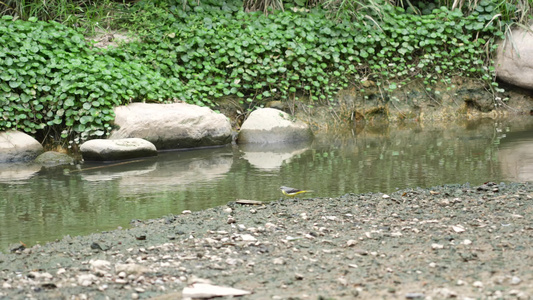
39 204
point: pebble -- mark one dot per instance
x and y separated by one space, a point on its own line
444 202
343 281
515 280
38 275
446 293
131 268
437 246
477 284
414 296
100 264
248 238
186 212
270 226
351 243
458 228
460 282
86 279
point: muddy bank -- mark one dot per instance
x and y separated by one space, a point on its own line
452 241
462 99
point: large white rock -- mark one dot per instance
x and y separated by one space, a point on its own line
172 126
514 58
18 146
269 125
118 149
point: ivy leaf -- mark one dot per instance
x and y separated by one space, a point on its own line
14 84
86 119
69 102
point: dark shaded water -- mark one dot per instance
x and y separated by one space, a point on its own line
42 204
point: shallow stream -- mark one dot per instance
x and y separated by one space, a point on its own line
39 204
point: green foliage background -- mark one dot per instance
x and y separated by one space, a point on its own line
55 84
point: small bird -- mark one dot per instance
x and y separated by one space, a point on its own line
291 192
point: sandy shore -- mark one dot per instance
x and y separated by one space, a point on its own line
454 241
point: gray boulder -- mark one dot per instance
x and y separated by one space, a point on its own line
269 125
18 146
54 158
514 59
118 149
172 126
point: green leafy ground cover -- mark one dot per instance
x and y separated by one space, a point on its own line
54 83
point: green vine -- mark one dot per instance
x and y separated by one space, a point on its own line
54 83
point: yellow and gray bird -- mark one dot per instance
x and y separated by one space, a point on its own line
291 192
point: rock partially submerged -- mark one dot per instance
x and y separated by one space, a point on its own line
17 146
119 149
54 158
269 125
172 126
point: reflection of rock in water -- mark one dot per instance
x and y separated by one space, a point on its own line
271 156
175 174
516 161
105 173
17 173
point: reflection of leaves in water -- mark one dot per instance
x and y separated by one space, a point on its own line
399 158
51 205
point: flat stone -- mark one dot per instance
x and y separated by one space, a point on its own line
116 149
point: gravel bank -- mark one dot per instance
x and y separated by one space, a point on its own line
454 241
